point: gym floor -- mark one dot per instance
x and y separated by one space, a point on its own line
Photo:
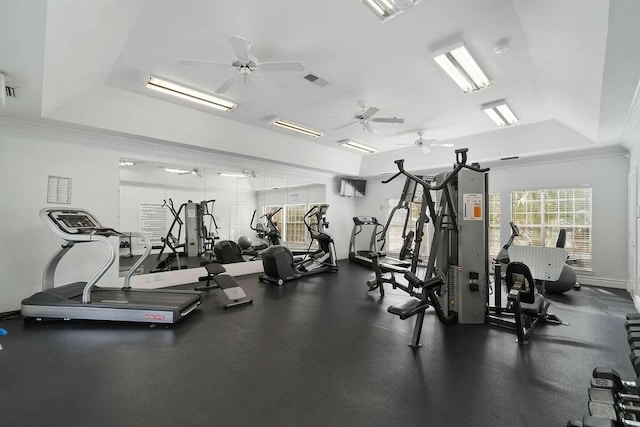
317 351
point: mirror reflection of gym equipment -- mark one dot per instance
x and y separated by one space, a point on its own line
266 231
200 235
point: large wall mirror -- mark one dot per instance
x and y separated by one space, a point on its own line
194 215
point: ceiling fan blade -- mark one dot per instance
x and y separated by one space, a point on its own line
437 144
388 120
368 127
240 47
226 84
201 62
370 112
282 66
425 149
344 126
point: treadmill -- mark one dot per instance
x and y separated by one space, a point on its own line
85 300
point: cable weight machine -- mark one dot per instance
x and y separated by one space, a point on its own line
455 280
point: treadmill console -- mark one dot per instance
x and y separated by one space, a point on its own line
74 222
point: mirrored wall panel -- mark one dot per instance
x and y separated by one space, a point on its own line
194 215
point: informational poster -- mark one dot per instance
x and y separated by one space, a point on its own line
472 207
59 190
152 222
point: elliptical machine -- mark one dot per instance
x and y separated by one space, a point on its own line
268 234
278 261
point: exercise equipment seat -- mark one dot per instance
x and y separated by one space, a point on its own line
531 300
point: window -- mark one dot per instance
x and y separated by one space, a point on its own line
290 222
494 225
294 228
541 214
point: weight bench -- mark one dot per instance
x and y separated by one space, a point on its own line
234 293
422 299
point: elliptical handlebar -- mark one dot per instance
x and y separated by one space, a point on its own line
461 163
252 218
271 214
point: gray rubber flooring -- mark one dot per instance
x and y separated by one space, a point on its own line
317 351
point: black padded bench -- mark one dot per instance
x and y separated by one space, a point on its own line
408 308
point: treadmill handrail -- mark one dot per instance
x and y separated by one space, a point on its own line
86 292
134 267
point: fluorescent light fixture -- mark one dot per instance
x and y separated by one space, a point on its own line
127 163
234 174
458 63
358 146
289 125
387 9
500 113
189 94
179 171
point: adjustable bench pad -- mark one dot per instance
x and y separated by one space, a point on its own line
408 308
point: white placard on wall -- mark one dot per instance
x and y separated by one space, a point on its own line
59 190
152 222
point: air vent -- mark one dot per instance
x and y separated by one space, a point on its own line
11 91
510 158
316 80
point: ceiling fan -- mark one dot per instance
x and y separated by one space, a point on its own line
245 67
365 118
424 144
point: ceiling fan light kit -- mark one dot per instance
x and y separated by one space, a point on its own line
458 63
387 9
189 94
358 146
500 113
295 127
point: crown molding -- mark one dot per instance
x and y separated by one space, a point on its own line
141 148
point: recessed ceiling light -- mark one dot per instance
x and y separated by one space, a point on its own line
234 174
179 171
387 9
358 146
500 113
190 94
295 127
458 63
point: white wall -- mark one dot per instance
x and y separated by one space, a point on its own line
26 161
607 176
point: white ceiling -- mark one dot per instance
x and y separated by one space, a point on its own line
566 75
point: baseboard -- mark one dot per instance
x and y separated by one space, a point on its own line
603 282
